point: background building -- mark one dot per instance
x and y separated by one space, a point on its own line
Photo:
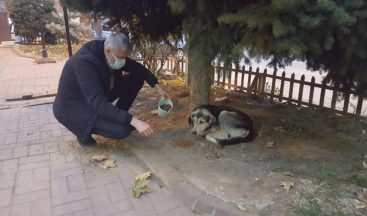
4 24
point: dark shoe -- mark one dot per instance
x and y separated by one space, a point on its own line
88 142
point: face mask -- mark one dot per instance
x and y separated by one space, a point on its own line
118 64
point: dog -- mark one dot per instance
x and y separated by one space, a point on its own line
221 125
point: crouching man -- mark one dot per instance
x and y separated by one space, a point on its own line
91 80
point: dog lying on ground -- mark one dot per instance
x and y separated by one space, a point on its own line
221 124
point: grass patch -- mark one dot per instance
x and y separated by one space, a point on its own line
359 180
327 173
57 50
315 210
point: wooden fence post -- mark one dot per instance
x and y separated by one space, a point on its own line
281 87
187 74
346 102
249 78
300 93
224 77
273 84
262 80
359 105
212 75
230 78
218 74
322 94
335 94
242 77
312 87
291 83
236 75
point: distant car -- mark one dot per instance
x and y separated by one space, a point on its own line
11 27
180 48
103 36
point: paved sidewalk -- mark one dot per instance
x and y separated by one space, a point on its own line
20 76
44 173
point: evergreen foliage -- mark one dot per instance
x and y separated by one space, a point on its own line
328 35
30 18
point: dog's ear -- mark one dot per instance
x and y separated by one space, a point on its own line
191 124
212 119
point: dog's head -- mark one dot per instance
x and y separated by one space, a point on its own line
200 121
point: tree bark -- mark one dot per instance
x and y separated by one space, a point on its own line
200 73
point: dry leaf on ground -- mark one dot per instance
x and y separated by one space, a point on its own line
240 205
278 129
288 173
154 112
109 164
287 185
221 99
270 144
98 158
140 184
361 206
260 133
143 176
364 164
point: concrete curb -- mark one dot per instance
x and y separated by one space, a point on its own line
183 189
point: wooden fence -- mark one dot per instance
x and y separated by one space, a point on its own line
265 85
174 65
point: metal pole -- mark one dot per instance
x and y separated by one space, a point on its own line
66 19
44 51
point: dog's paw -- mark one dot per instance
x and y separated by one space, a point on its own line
211 139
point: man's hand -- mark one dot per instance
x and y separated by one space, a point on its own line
162 92
142 127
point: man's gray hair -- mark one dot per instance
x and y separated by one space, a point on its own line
117 41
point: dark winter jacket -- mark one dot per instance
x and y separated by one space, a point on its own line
84 86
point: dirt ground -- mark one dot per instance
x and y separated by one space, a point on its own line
321 153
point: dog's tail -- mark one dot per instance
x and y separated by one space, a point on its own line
235 140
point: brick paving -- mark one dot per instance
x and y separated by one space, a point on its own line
43 172
20 76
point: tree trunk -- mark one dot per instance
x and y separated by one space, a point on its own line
85 20
200 73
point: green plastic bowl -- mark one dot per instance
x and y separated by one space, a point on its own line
161 112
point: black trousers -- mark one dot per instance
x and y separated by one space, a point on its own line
125 89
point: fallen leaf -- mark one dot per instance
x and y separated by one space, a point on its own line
109 164
154 112
288 173
143 176
278 129
270 144
141 187
240 204
364 164
98 158
361 206
364 200
260 133
221 99
287 185
241 207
